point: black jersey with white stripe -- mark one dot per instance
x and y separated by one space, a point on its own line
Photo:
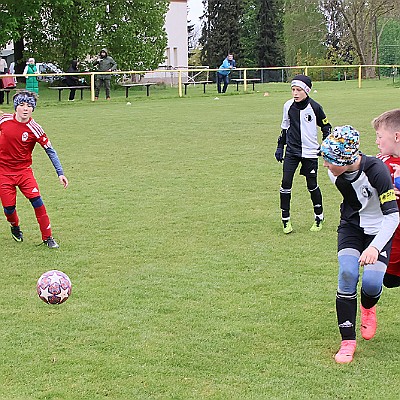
368 195
300 121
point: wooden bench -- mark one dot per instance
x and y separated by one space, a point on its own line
7 91
250 80
204 83
129 85
61 88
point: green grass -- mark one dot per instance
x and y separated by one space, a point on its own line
184 286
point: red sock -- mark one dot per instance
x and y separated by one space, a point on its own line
44 221
13 218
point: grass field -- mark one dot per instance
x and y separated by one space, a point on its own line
184 286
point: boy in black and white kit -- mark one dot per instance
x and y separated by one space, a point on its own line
301 117
369 217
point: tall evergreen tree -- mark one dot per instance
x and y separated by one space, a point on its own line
270 33
221 31
251 29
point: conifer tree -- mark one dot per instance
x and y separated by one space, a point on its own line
251 29
269 49
220 31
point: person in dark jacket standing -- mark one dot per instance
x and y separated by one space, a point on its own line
301 117
72 80
3 70
105 63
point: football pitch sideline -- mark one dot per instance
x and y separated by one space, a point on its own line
183 283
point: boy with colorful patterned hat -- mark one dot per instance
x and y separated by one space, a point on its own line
369 216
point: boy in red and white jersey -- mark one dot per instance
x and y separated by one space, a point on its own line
19 134
387 127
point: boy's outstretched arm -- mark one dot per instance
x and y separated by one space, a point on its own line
57 165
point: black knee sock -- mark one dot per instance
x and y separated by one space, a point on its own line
285 196
316 198
368 301
346 310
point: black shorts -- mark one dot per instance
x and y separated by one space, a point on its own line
351 236
309 166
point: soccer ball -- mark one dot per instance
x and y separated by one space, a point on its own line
54 287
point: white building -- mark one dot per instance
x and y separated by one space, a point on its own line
176 53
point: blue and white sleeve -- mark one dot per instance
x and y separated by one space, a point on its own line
55 160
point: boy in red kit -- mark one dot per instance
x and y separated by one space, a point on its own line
387 127
18 135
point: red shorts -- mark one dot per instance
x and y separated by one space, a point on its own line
24 180
394 263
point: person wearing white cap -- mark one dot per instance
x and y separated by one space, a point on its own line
301 117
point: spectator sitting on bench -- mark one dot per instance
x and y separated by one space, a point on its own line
72 80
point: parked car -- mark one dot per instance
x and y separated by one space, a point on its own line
48 68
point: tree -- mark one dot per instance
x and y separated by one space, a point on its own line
64 31
359 19
14 20
270 32
249 33
261 33
220 31
304 32
134 32
59 30
389 42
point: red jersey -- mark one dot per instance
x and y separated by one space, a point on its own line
17 141
394 263
390 160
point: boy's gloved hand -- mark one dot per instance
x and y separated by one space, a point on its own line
279 154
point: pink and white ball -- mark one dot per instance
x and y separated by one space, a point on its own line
54 287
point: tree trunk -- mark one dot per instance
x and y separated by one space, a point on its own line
19 58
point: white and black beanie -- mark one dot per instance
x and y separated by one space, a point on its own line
303 82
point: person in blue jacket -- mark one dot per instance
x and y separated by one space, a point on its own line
223 72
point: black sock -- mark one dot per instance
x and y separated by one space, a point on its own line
316 198
285 196
346 310
368 301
